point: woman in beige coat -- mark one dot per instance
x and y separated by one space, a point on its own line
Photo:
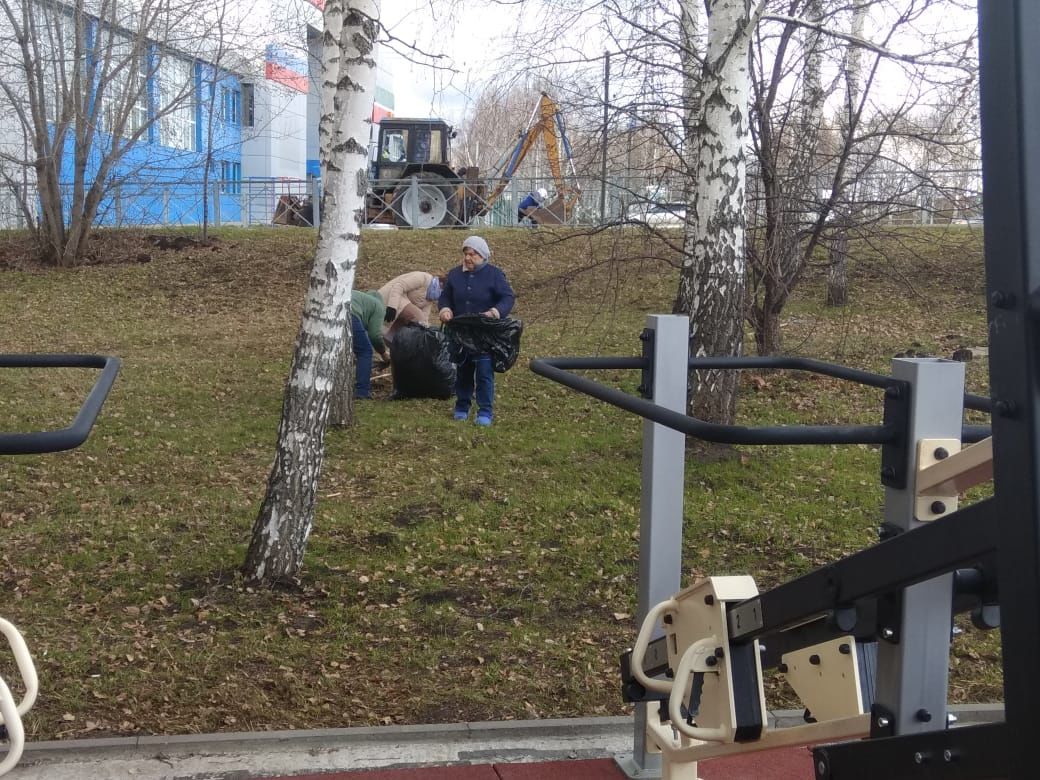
412 296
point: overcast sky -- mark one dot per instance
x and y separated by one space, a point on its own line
464 42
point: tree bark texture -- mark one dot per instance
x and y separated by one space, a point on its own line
341 405
837 269
711 283
281 530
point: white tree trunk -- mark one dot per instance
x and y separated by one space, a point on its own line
281 529
711 283
837 270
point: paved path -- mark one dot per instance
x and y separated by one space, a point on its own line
575 749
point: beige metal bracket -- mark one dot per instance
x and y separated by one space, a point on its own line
944 470
826 678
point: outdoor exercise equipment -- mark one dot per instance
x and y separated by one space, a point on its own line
865 639
32 443
848 641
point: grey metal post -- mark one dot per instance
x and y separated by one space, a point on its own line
315 191
661 504
912 673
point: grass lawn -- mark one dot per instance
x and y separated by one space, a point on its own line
454 573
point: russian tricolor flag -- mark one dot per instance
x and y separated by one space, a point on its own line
285 67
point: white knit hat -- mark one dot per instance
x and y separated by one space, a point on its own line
478 245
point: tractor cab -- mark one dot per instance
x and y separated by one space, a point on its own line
405 144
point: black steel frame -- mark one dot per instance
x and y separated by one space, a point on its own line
75 434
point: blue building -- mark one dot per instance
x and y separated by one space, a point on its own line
176 112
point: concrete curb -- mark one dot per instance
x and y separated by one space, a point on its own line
239 756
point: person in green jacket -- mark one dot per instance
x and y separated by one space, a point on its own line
367 314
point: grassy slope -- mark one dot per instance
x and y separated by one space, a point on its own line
454 573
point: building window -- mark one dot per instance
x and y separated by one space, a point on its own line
230 105
177 102
230 177
124 99
140 113
248 102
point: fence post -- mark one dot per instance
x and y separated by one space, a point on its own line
314 186
166 204
216 203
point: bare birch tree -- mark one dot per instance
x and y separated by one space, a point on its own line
711 282
282 527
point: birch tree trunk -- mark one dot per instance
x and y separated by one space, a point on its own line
837 268
286 517
711 282
341 405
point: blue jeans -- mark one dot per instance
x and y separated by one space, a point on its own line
475 369
362 358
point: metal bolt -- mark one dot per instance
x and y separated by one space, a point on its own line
844 648
883 722
938 508
709 599
711 661
814 659
1005 408
720 652
941 453
667 619
888 472
1002 300
644 336
923 715
821 768
918 758
947 755
782 668
641 389
893 391
887 633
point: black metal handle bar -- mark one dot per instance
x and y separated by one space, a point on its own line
976 402
559 370
71 437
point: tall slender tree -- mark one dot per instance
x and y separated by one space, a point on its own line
711 281
286 517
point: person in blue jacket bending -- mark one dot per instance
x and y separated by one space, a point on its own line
475 287
532 201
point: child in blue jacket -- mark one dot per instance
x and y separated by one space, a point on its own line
475 287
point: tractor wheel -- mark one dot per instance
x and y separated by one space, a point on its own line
425 202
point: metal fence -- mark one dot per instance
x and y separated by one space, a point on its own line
894 197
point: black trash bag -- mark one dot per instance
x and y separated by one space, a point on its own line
476 334
420 361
